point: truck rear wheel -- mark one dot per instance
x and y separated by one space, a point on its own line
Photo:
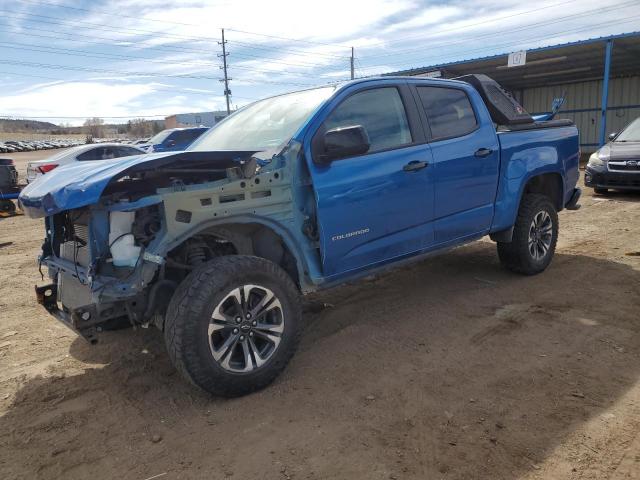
233 324
534 236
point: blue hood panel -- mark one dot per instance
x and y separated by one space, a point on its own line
81 183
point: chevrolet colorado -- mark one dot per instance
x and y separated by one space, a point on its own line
291 194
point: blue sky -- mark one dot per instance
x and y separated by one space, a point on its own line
133 58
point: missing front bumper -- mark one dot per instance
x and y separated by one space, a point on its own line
85 321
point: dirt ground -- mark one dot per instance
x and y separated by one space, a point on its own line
452 368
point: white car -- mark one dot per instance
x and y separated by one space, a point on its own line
101 151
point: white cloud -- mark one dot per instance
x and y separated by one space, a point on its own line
181 38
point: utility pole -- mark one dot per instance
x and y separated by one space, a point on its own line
352 65
227 92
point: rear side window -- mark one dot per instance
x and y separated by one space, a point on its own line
98 153
380 111
93 154
449 111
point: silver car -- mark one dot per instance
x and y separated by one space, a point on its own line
98 151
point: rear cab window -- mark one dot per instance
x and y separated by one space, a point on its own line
449 111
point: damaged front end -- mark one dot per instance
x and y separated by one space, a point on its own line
113 247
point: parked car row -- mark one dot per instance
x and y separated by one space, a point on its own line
81 153
11 146
168 140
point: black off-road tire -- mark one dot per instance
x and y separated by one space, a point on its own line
601 191
190 310
515 255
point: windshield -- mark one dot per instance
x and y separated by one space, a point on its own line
631 133
160 137
264 125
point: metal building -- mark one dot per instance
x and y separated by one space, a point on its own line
202 119
599 79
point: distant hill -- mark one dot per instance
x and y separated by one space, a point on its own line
25 126
136 128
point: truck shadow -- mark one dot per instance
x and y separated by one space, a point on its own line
449 368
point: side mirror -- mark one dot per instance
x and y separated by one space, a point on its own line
344 142
613 135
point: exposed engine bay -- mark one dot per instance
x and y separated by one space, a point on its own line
123 256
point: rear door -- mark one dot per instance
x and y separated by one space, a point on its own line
466 156
373 207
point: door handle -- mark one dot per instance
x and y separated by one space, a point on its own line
483 152
414 165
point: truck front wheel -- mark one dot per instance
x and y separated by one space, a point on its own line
534 236
233 324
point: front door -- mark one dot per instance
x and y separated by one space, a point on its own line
377 206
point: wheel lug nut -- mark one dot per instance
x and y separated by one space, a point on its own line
241 337
248 315
254 323
238 319
251 334
235 330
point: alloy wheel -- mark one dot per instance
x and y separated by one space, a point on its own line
245 328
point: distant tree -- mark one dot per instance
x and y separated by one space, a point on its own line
94 127
140 128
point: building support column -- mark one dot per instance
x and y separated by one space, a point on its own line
605 92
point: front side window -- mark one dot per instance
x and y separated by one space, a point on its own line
380 111
449 111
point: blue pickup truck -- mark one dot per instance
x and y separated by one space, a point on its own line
294 193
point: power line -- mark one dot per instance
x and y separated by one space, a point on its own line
464 27
101 70
184 50
262 57
21 117
210 94
100 55
512 45
326 44
134 74
121 15
288 50
137 45
512 30
138 31
108 28
104 12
